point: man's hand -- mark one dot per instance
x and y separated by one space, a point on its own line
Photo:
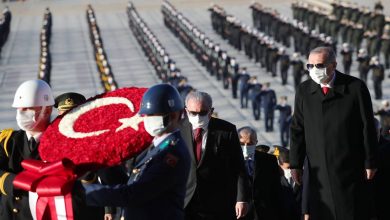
370 173
108 217
296 174
241 209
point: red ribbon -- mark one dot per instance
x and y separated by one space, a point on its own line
48 180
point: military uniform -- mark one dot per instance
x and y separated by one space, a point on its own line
284 60
364 66
347 59
385 48
298 71
156 188
378 75
284 123
68 100
14 148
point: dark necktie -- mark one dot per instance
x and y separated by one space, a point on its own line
198 143
32 144
325 90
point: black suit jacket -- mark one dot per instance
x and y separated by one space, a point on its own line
221 177
266 187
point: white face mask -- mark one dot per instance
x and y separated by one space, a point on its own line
287 173
154 125
26 119
248 151
318 75
199 121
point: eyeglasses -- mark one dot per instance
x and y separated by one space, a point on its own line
318 66
201 113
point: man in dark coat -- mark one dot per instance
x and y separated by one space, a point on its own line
333 125
266 186
218 184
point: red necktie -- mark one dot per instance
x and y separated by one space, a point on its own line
325 90
198 143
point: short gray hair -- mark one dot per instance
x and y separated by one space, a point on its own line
203 97
249 131
328 51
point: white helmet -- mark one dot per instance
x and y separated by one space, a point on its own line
33 93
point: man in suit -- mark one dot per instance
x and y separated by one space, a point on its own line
266 186
333 125
290 192
157 186
33 101
218 183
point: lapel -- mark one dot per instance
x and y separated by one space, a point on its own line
337 90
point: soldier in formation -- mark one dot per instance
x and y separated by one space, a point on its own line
45 56
5 26
103 66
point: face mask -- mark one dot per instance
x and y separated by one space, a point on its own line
248 151
287 173
26 119
199 121
154 125
318 75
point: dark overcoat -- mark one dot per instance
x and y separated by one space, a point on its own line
337 133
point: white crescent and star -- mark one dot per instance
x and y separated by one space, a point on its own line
66 125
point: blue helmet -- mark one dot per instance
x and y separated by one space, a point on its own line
161 99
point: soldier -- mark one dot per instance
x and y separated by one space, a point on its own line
273 59
284 120
385 46
2 30
346 52
67 101
268 101
254 96
384 117
243 80
231 74
157 186
364 64
284 61
378 75
298 69
33 102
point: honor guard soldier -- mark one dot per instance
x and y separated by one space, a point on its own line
66 101
378 75
364 64
157 185
33 102
346 52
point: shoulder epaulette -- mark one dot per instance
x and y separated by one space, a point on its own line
4 136
167 143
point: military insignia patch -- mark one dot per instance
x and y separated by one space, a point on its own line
171 160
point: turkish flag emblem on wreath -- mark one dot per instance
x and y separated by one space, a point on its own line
104 131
